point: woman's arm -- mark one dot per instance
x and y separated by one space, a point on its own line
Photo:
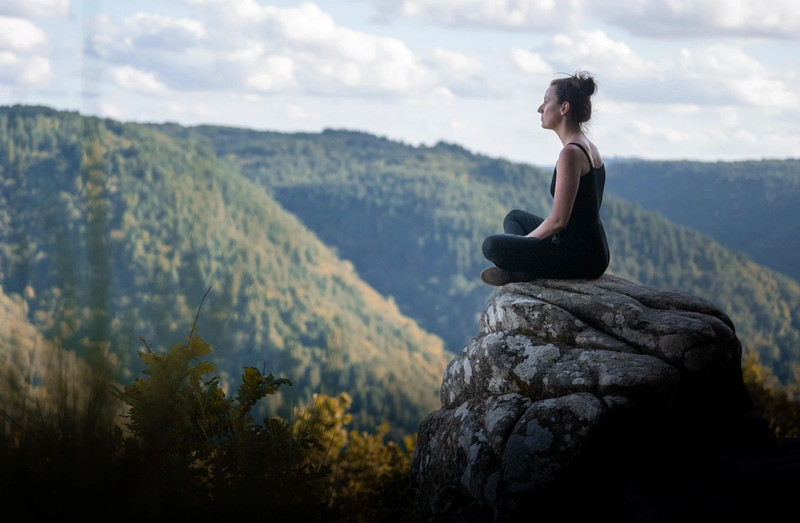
568 176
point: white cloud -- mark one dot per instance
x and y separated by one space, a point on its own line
35 8
24 72
274 74
668 85
724 69
145 30
670 134
728 117
601 53
21 65
396 68
702 18
8 59
20 35
711 75
149 36
647 18
135 79
206 2
467 132
437 98
295 112
264 48
459 73
9 68
684 109
530 62
710 133
509 14
305 23
455 62
36 71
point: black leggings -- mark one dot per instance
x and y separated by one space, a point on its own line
578 256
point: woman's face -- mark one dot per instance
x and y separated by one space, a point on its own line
550 109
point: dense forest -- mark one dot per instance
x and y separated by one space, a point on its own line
412 219
340 260
112 232
749 207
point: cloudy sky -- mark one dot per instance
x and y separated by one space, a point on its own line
678 79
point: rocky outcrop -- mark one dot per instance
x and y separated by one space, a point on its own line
571 388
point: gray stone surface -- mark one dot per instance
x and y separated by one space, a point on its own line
567 381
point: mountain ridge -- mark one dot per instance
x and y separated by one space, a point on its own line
407 219
748 206
171 221
448 200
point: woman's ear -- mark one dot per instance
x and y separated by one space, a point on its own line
564 108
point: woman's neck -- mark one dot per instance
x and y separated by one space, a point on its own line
572 136
568 135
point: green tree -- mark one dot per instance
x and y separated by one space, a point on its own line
203 451
779 403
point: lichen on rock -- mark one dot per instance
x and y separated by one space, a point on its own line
564 373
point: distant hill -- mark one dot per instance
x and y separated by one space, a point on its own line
412 219
748 206
341 260
113 231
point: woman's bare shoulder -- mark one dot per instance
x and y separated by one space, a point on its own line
591 149
597 159
575 153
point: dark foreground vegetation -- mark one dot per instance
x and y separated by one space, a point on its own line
172 443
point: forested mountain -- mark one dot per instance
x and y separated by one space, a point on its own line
340 260
112 231
749 207
412 220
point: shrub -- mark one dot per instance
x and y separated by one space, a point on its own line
186 449
780 404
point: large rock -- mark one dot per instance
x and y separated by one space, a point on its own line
568 387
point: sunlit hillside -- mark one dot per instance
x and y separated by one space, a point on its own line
115 232
412 220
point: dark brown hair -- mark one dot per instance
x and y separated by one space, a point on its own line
577 89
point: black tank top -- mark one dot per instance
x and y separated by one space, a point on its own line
586 209
583 240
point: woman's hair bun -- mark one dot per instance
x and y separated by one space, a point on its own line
586 82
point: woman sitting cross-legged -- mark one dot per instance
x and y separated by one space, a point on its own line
570 242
